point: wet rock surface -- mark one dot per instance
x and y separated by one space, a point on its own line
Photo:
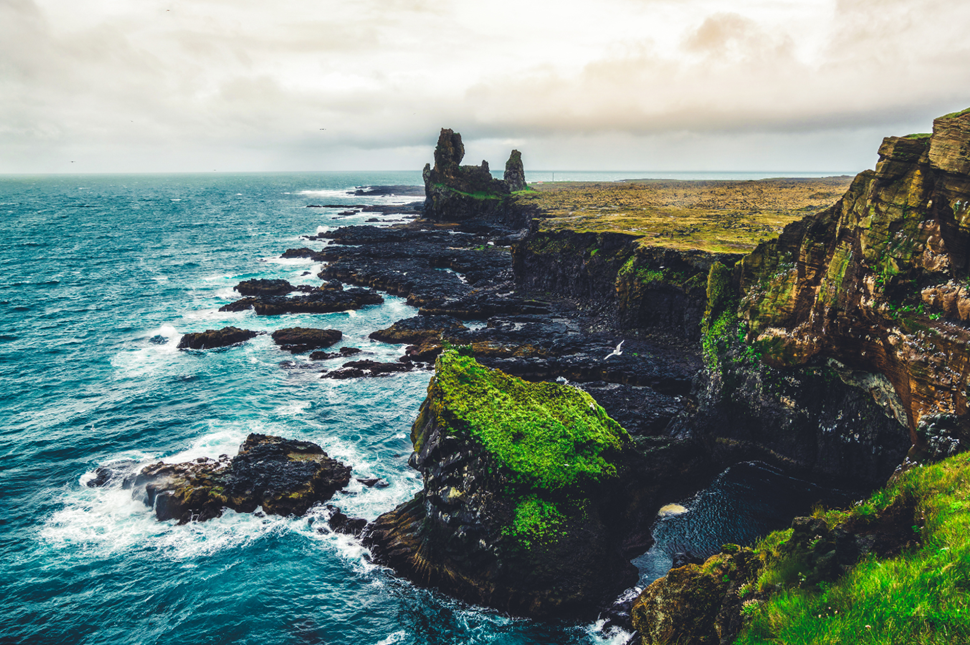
310 300
283 476
297 340
212 338
261 287
365 368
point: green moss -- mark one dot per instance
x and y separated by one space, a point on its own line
921 596
536 522
919 135
476 195
546 436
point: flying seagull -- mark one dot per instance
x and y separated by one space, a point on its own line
617 351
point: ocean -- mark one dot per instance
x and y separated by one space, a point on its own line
101 275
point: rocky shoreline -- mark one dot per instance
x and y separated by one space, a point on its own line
584 379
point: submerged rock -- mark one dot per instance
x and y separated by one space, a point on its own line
302 339
283 476
520 491
212 338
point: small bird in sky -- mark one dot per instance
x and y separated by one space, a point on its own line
323 128
617 351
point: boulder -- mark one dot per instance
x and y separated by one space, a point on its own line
283 476
302 339
212 338
261 287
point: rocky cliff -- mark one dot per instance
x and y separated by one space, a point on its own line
457 193
876 286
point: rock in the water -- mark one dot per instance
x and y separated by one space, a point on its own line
264 287
212 338
283 476
360 369
343 352
515 511
340 522
312 301
114 472
302 339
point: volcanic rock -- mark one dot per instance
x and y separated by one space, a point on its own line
212 338
302 339
264 287
283 476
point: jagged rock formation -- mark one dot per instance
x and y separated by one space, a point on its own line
456 193
529 500
876 283
283 476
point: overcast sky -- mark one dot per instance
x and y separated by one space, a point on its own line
252 85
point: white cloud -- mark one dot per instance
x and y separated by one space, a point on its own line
185 85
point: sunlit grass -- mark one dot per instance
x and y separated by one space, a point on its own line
718 216
921 596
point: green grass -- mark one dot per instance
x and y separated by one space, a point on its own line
921 596
546 436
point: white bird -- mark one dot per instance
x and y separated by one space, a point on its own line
617 351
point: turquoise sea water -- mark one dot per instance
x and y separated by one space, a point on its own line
99 277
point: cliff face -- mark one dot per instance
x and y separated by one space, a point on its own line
636 287
456 193
878 283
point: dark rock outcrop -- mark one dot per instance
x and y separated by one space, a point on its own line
302 339
212 338
364 368
261 287
283 476
316 301
417 329
456 193
343 352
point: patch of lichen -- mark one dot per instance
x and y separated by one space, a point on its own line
715 216
544 436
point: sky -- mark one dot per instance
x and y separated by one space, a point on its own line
307 85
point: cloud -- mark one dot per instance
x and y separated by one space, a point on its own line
216 77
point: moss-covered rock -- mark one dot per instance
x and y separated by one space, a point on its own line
520 508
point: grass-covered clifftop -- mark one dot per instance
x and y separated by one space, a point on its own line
921 595
717 216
